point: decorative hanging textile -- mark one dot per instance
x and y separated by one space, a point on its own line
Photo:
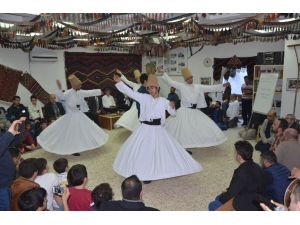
231 63
9 80
96 70
34 87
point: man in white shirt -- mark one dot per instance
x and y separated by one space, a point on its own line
233 111
35 110
108 101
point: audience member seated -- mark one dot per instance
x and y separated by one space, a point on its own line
132 194
53 109
17 110
80 197
226 98
279 175
208 101
4 123
278 128
121 101
294 203
248 180
7 165
61 167
266 133
33 200
102 193
42 126
218 115
250 132
108 101
172 96
35 113
16 158
35 110
28 172
233 112
46 180
95 107
288 151
292 122
29 142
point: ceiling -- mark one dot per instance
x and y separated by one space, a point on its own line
143 33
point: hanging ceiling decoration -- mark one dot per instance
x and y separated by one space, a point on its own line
143 33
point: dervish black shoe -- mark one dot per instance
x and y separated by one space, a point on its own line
76 154
147 182
190 152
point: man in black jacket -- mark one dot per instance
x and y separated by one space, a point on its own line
132 197
247 181
95 107
7 166
17 110
53 109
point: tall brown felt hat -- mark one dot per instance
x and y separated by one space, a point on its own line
186 73
152 81
137 74
150 68
74 80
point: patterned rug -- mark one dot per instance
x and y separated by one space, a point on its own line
96 70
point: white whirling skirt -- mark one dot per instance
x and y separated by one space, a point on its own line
152 154
72 133
129 119
193 129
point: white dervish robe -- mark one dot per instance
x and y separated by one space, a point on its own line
73 132
129 119
191 127
150 152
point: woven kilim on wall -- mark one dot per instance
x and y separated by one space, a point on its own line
96 70
34 87
9 81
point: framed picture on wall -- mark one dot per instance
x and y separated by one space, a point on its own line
205 80
292 84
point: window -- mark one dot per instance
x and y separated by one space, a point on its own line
236 80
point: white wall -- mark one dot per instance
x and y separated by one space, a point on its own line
290 70
46 73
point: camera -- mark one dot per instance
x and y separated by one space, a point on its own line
58 190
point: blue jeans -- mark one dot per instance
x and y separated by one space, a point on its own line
5 197
215 204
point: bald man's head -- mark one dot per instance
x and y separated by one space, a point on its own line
290 134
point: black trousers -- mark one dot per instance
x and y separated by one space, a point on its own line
246 110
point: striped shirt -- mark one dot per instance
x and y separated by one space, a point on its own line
247 91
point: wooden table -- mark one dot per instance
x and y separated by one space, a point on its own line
107 121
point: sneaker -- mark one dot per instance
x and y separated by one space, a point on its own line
76 154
